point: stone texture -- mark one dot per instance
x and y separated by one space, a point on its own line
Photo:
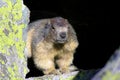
69 76
75 75
14 17
111 71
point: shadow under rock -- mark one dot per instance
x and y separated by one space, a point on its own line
33 71
86 74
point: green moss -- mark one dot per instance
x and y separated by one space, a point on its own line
2 75
111 76
9 16
70 78
15 67
49 79
14 72
2 62
10 70
25 70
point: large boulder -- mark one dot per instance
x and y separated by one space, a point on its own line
14 17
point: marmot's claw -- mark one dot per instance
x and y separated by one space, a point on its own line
55 72
64 70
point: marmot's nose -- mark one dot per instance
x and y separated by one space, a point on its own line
62 35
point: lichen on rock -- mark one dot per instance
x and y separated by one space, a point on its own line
13 64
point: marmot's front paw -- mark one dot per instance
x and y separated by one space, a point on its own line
64 70
55 72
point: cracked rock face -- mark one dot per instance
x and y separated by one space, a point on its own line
14 17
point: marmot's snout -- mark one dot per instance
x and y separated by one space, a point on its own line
62 37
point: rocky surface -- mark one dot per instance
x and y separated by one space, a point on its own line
111 71
14 17
75 75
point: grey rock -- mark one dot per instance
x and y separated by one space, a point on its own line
13 62
2 3
111 70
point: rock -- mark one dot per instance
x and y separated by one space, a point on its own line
74 75
111 71
68 76
14 17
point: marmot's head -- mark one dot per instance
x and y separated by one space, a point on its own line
59 30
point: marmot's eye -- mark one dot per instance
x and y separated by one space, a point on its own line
53 28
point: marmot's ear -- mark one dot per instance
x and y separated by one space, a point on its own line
66 22
49 22
46 29
48 25
52 21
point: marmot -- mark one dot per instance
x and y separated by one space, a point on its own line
51 42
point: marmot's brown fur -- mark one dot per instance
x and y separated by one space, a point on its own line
51 42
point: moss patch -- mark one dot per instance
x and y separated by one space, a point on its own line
11 35
10 14
111 76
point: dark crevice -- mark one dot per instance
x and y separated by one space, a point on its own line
33 71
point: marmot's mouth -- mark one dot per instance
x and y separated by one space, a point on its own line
60 41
